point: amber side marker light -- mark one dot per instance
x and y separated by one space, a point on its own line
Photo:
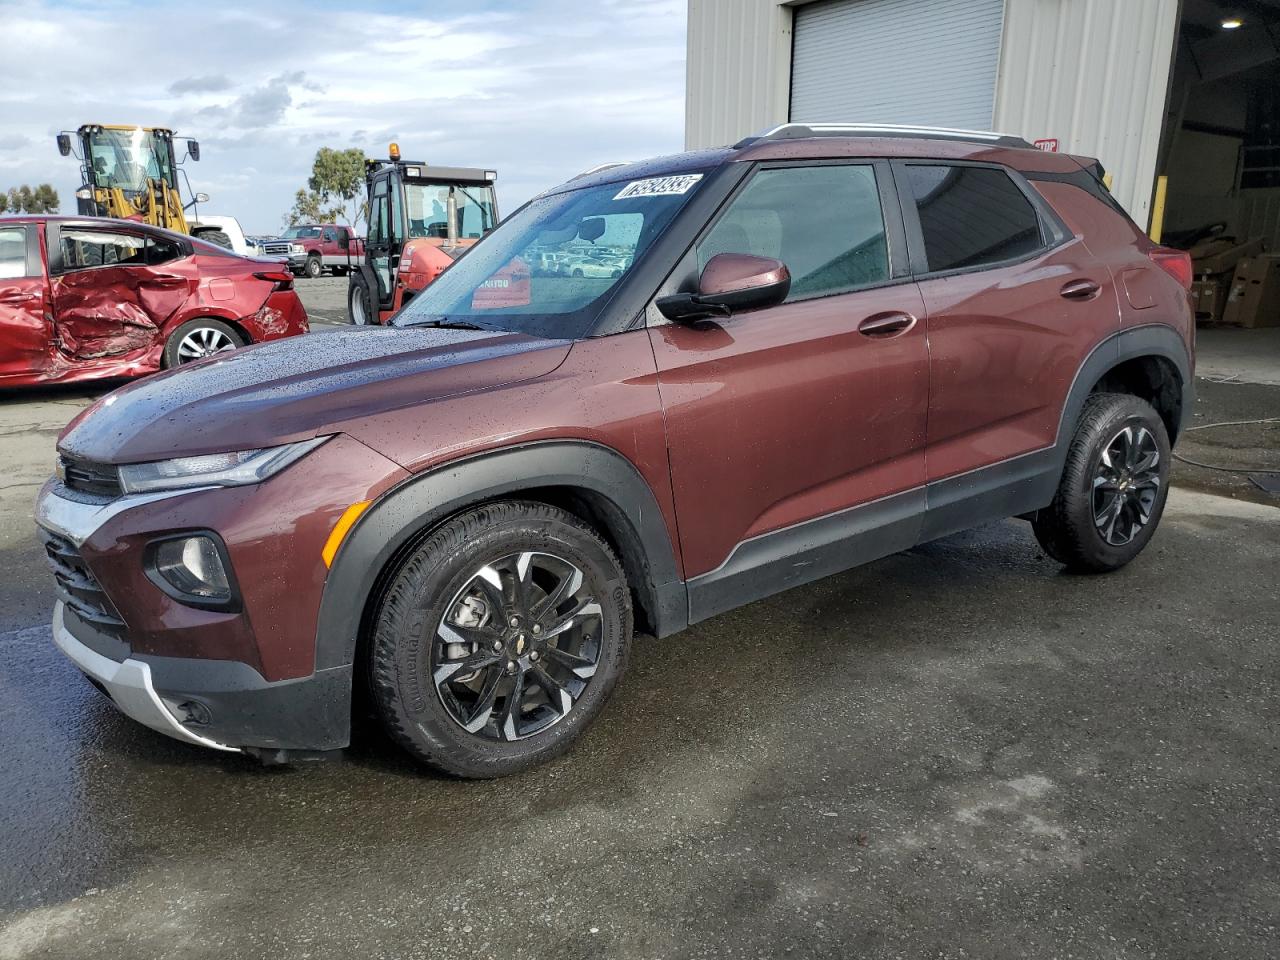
340 529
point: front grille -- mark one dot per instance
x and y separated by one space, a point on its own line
277 249
100 479
76 585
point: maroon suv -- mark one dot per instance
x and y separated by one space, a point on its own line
825 345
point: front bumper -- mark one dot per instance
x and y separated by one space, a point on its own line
244 678
297 260
220 704
128 684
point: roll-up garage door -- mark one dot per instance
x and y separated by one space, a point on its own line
929 62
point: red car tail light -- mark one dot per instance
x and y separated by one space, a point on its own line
1176 263
282 279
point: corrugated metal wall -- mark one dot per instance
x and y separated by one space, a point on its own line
931 62
738 69
1093 74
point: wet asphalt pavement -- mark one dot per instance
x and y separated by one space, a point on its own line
957 751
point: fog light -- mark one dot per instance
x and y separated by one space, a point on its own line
193 566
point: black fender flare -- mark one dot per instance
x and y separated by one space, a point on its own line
402 515
1149 340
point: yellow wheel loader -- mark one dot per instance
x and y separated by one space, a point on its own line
130 173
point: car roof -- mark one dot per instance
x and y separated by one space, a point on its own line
99 222
871 143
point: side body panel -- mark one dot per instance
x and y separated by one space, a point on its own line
1004 348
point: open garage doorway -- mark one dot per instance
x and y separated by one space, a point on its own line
1220 153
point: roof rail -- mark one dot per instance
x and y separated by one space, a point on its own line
795 131
600 166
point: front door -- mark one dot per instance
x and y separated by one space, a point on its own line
782 419
25 336
386 236
114 289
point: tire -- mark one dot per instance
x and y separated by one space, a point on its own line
313 267
200 338
418 626
215 236
359 310
1106 510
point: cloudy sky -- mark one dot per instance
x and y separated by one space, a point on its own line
537 90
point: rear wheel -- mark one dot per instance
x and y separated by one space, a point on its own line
200 338
1113 486
313 268
500 639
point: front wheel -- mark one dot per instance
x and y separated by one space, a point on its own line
313 268
1113 486
500 639
358 310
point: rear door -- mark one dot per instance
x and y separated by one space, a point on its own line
114 288
795 413
1015 302
25 334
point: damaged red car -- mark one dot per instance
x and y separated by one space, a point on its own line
88 298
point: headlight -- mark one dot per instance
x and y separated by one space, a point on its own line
297 248
215 470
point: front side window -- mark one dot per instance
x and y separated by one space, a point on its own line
545 269
13 252
101 248
428 209
972 217
823 222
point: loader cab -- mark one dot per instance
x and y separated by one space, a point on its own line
421 219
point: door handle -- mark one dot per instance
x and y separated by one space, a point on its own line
20 298
884 325
1080 290
165 280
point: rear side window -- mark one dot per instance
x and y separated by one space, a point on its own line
823 222
100 248
972 217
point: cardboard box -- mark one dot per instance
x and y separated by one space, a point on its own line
1222 255
1209 297
1254 297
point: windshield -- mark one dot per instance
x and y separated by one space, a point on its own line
428 208
544 269
127 158
301 233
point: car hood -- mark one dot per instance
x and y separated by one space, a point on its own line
296 388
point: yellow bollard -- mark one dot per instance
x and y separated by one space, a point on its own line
1157 209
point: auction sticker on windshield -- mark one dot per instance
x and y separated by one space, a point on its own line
658 186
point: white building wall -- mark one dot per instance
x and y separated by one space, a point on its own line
1093 74
738 69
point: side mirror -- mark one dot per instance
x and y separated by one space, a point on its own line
202 198
193 149
64 144
730 283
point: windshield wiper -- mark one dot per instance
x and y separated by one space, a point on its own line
444 323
